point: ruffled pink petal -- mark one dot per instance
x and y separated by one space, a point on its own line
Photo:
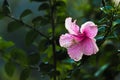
89 29
71 26
75 52
89 46
67 40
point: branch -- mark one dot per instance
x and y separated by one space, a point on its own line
29 26
53 17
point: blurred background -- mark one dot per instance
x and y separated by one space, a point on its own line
26 55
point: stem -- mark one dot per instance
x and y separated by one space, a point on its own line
103 3
29 26
53 17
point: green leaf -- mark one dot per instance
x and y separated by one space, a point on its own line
30 37
39 0
99 40
25 74
1 15
10 68
34 58
19 56
44 43
118 67
13 26
54 73
60 3
48 50
43 6
41 20
106 9
46 67
116 22
37 20
116 31
101 29
61 55
45 21
5 8
25 13
5 44
101 70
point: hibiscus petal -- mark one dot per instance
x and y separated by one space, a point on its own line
75 52
89 29
67 40
89 46
71 26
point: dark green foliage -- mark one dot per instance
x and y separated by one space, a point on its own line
6 8
40 20
25 74
10 68
19 56
107 9
44 6
60 55
34 58
46 67
101 70
5 44
25 13
39 0
31 36
1 15
60 4
116 23
44 43
13 26
37 20
38 60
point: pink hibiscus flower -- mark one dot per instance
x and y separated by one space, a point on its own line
79 41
